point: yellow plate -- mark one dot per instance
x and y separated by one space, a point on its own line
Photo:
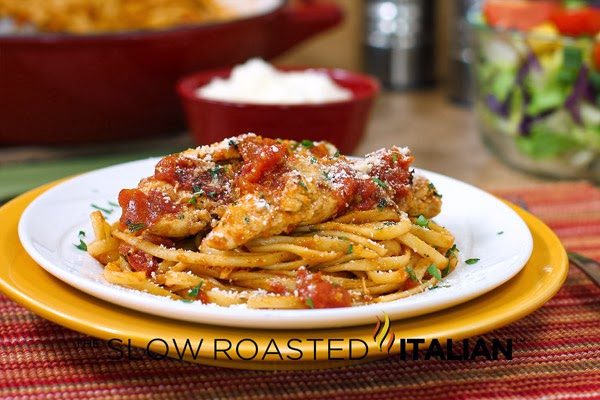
30 285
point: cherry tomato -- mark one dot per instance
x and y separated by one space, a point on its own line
577 21
518 14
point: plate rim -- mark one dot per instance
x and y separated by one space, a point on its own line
81 322
319 318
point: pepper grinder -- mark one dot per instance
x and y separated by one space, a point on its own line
460 82
400 42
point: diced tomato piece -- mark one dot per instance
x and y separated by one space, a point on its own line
140 210
203 297
319 293
139 260
584 21
518 14
262 158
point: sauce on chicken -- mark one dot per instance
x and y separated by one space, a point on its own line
249 186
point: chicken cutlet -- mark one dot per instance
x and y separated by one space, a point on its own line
249 186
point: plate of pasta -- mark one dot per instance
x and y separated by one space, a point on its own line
266 233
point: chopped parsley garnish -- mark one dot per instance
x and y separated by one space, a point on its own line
446 271
134 227
380 183
394 157
422 221
411 274
212 195
232 143
187 300
431 187
193 292
307 143
434 271
451 252
438 286
214 172
247 219
197 192
336 154
309 302
105 210
350 249
326 175
81 246
313 159
472 261
301 183
500 233
112 203
382 204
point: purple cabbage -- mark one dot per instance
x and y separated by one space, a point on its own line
531 63
502 108
528 120
580 88
496 106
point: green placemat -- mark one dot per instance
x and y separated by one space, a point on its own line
29 168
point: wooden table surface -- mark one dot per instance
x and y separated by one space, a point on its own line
443 137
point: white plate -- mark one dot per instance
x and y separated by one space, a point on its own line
49 227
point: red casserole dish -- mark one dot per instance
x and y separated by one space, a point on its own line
59 88
342 123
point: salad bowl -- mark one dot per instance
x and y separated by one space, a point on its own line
537 81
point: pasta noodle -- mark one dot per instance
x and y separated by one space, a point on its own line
302 257
369 272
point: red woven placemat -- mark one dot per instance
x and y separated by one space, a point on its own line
556 349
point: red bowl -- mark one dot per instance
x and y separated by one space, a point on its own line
61 88
341 123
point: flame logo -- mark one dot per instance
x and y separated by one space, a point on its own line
382 332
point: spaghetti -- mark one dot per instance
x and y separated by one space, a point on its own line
341 246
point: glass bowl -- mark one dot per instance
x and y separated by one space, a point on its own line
537 99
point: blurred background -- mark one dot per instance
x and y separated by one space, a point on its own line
343 47
496 93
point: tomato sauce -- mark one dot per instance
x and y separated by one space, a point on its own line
202 296
159 240
394 171
176 170
139 260
317 292
189 175
277 287
355 193
409 284
320 150
141 210
264 162
390 173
